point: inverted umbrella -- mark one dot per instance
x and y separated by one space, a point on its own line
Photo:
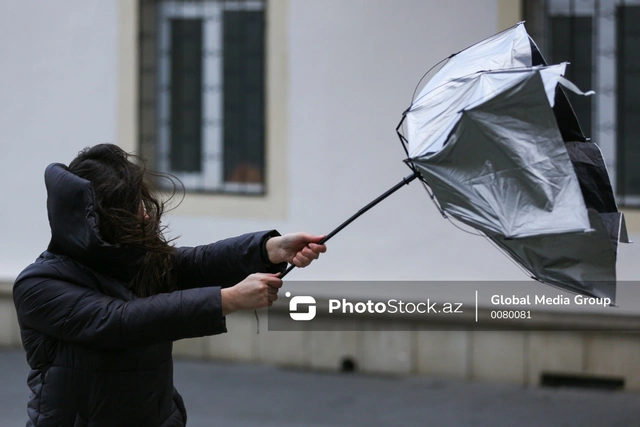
495 141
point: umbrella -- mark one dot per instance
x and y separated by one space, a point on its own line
494 139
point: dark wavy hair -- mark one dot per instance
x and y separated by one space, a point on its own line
129 212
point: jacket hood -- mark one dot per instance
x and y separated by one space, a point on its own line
75 227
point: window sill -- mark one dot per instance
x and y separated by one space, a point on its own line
250 206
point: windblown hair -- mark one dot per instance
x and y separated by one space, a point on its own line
129 213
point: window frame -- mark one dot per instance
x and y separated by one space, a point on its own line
605 118
211 178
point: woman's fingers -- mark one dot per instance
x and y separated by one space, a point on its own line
307 254
317 248
272 297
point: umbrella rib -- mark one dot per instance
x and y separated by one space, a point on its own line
413 96
403 140
454 54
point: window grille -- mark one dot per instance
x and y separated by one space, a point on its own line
601 40
202 86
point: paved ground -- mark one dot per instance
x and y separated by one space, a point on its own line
251 395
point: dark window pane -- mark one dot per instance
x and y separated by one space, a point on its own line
572 39
186 95
628 108
244 96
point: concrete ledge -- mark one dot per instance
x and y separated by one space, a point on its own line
239 343
613 356
5 289
283 348
541 320
443 354
406 347
518 356
9 330
387 352
498 356
334 348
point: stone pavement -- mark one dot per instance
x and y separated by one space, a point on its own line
255 395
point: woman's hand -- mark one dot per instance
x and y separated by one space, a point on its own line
298 249
258 290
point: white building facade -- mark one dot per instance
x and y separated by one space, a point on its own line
337 76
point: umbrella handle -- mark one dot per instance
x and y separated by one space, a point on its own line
405 181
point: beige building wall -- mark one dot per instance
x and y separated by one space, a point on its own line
337 85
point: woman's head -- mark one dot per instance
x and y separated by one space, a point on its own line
128 211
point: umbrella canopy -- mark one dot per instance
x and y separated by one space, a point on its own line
495 138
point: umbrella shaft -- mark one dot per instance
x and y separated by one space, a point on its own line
406 180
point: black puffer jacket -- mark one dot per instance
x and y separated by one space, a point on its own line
98 355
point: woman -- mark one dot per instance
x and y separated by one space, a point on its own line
100 308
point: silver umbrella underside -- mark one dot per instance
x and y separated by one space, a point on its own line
495 138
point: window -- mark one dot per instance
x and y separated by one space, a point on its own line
601 40
628 105
202 92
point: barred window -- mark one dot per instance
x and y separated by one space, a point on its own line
601 40
202 86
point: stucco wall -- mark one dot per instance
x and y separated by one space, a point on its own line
58 86
348 72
